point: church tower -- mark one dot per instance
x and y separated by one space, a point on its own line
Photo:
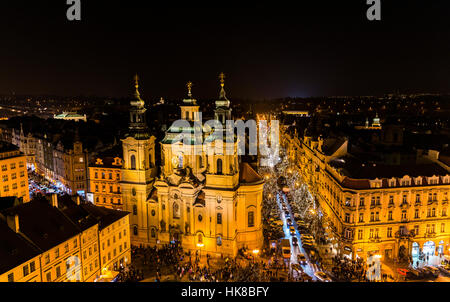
139 169
202 201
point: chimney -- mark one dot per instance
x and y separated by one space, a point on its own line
55 200
13 222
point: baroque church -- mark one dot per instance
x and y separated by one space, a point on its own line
204 197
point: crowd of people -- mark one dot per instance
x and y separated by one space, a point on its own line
130 273
345 269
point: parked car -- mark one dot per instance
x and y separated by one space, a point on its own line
294 241
322 277
289 221
286 213
297 267
301 259
434 271
292 230
413 274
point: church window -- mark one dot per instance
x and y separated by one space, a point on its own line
219 218
180 161
153 233
200 218
251 219
219 166
200 238
133 162
176 210
135 230
134 209
153 212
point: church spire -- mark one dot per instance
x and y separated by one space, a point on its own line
138 125
189 87
136 85
222 84
137 102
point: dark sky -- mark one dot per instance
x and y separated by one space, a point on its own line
266 49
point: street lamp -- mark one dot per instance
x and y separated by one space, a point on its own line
255 253
200 245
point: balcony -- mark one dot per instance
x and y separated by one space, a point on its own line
391 205
375 239
403 235
430 234
361 207
418 203
350 207
404 205
376 205
432 201
444 202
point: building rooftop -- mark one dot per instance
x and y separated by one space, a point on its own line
46 226
248 175
356 169
7 147
14 248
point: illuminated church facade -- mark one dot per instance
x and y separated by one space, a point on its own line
204 197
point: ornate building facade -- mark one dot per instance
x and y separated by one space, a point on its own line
394 211
138 171
207 201
205 197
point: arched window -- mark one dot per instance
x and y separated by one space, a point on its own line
176 210
200 238
200 161
134 209
219 166
153 233
251 219
180 161
219 218
135 230
133 162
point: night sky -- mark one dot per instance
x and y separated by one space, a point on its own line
266 49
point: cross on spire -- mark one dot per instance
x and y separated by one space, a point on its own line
189 87
222 84
222 79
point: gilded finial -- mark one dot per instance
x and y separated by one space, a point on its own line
136 81
189 87
222 79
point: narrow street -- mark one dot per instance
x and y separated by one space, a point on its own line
309 268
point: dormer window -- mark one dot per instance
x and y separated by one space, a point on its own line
375 183
419 181
405 182
446 179
392 182
99 161
434 180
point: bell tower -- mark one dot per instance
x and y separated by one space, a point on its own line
139 170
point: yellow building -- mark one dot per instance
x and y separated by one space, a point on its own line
390 210
138 171
104 180
20 259
63 247
207 201
115 245
13 170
